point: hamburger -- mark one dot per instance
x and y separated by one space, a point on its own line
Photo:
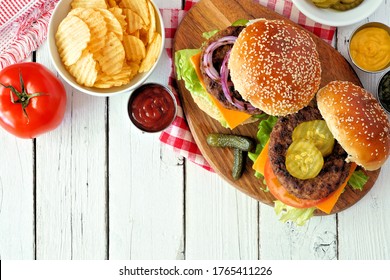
361 132
243 71
273 67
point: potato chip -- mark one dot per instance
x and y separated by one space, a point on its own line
117 12
134 48
113 25
111 83
84 70
144 35
152 26
122 78
135 34
138 6
96 24
112 55
152 53
72 37
134 67
134 21
106 43
111 3
89 4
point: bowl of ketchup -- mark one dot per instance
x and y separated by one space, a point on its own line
152 107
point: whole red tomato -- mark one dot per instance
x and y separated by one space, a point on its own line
32 99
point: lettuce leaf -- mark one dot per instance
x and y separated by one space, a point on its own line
186 71
240 22
358 180
184 68
289 213
264 131
209 34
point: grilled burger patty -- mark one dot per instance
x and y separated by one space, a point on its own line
333 173
212 86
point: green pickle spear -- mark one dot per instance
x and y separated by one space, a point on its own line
238 164
230 141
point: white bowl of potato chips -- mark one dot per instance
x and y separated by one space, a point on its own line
104 47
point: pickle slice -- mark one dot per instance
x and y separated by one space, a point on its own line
343 6
325 3
316 132
304 160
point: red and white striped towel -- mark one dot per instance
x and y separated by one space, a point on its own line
23 28
178 135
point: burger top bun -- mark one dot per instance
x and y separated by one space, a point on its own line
275 66
357 122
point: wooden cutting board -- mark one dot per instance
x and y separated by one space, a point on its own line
209 15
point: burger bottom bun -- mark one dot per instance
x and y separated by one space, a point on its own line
210 109
357 121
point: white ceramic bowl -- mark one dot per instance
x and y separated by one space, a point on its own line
60 12
337 18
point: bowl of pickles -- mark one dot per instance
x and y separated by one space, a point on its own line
337 12
384 92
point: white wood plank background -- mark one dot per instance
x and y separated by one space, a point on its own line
17 239
98 188
370 219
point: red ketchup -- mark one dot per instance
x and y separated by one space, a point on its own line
152 107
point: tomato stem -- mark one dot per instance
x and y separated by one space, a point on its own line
23 96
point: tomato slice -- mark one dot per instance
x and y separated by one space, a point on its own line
280 193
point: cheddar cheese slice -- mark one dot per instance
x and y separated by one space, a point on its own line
233 118
328 204
259 163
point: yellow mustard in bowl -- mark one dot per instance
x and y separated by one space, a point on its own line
370 48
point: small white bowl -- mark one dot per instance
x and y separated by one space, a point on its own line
337 18
60 12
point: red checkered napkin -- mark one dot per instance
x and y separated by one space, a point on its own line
23 28
178 136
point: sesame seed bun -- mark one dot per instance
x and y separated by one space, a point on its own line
275 66
357 122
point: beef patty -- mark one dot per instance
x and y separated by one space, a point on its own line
219 54
333 173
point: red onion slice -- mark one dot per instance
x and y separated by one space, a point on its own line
208 56
224 78
242 105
